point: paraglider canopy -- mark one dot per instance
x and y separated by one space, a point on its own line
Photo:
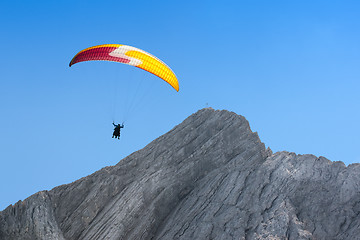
128 55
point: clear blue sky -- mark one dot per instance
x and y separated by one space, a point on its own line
290 67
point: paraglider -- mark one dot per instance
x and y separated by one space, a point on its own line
116 133
130 56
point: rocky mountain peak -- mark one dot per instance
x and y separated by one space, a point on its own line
210 177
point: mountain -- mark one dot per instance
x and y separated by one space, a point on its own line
210 177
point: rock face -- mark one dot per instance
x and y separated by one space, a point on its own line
208 178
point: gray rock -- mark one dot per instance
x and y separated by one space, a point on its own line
210 177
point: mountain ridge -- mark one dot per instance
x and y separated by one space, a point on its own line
208 177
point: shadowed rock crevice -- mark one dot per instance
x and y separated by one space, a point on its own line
210 177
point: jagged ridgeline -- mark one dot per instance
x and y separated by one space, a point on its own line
210 177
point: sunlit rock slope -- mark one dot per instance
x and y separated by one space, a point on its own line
210 177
